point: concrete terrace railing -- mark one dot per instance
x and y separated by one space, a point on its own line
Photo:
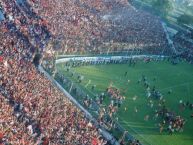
170 42
105 134
107 58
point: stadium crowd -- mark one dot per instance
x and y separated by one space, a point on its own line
33 110
101 25
183 42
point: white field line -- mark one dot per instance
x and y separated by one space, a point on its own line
126 123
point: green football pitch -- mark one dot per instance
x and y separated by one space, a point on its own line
164 76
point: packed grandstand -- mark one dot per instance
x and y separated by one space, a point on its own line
34 110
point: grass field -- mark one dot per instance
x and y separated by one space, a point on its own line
178 78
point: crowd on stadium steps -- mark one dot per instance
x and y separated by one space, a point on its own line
101 5
184 44
138 28
33 111
181 38
100 25
27 23
83 27
11 131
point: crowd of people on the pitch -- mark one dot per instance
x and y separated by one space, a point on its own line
33 110
115 95
103 113
185 105
169 120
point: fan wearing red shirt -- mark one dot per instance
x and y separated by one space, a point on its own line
94 141
1 138
1 58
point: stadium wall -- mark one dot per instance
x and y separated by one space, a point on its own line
105 58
